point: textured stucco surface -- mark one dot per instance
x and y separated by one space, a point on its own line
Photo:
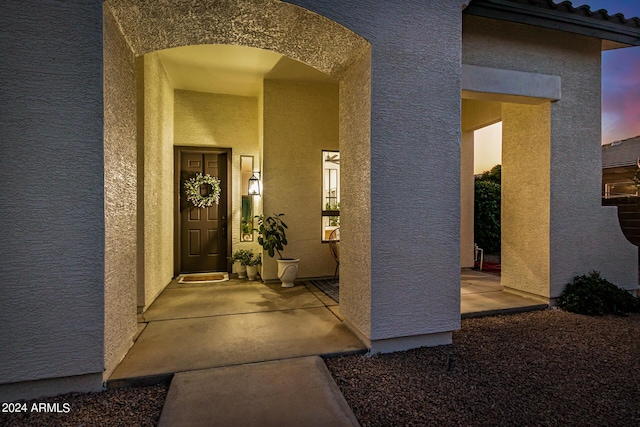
583 235
158 180
264 24
415 170
355 203
477 114
300 120
51 222
120 195
525 211
415 160
514 86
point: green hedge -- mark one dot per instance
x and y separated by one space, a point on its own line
487 215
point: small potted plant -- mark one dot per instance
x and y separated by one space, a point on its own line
252 267
246 231
241 259
272 237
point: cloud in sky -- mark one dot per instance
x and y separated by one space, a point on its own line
620 78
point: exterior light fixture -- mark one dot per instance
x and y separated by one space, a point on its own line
254 185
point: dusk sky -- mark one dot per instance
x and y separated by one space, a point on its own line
620 92
620 78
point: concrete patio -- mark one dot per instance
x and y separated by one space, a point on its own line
192 327
482 295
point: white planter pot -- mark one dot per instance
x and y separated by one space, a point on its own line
288 271
241 270
252 272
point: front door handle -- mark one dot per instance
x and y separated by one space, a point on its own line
224 231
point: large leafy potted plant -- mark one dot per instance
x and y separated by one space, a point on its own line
272 237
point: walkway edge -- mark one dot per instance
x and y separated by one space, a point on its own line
292 392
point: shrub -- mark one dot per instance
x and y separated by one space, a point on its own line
243 256
596 296
487 216
494 175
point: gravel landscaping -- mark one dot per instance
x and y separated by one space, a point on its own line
547 368
123 407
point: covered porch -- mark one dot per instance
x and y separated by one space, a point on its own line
191 327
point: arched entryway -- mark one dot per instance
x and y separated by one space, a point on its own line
133 29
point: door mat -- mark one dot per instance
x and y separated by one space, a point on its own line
196 278
331 287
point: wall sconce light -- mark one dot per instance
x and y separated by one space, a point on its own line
254 185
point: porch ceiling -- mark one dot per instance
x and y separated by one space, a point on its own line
232 70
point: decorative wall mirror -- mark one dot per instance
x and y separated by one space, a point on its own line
246 219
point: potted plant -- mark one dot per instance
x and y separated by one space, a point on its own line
246 231
252 267
272 237
241 258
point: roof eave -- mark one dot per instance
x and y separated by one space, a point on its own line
531 14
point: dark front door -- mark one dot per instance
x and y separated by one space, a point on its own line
203 231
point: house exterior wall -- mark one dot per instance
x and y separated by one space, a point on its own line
51 203
402 265
525 212
415 155
355 206
582 235
120 195
300 120
157 185
222 121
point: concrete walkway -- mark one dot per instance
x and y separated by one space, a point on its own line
246 353
295 392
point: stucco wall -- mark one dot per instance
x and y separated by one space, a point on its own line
582 235
415 160
525 198
158 180
224 121
51 218
477 114
355 206
120 195
300 120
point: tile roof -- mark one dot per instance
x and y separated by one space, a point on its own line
584 10
615 30
621 153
